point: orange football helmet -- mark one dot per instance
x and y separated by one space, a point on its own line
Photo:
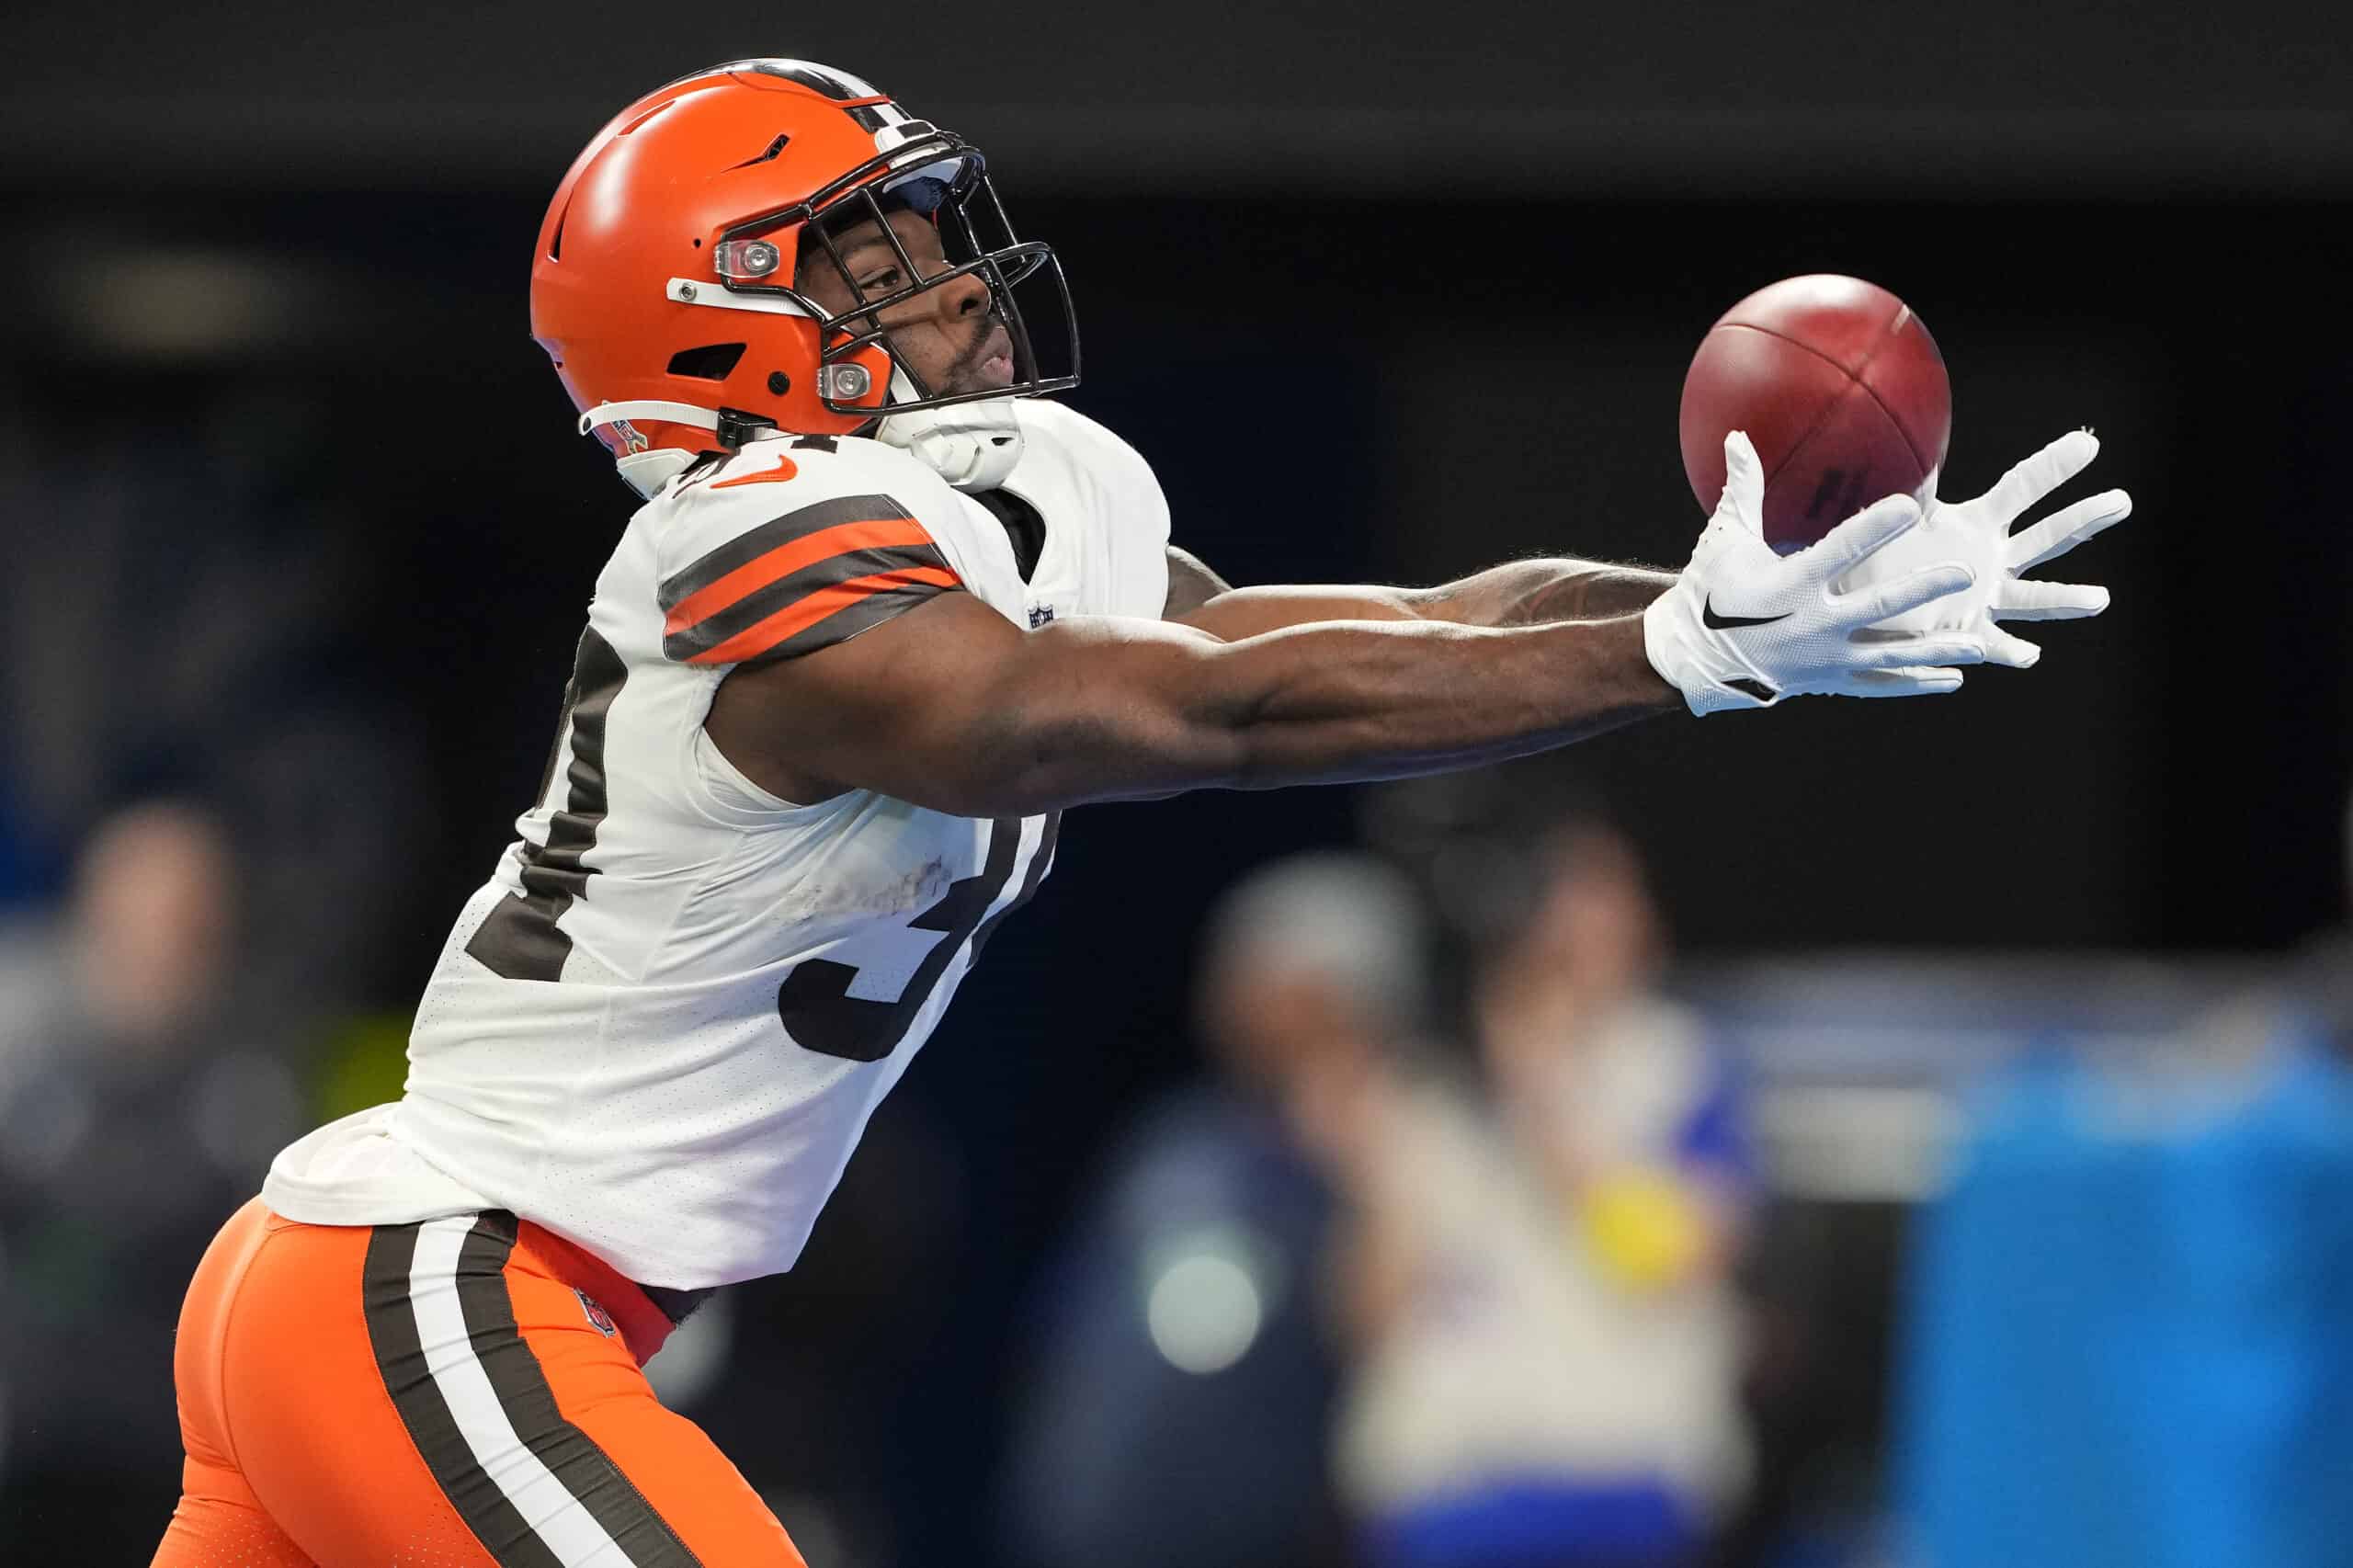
663 287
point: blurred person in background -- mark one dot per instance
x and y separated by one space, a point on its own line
1548 1345
137 1097
1180 1410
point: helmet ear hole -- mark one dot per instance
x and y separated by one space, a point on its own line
711 362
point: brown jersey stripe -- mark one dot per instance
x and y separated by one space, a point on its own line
688 643
786 560
799 523
844 624
867 601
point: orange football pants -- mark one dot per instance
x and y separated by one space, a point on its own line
454 1393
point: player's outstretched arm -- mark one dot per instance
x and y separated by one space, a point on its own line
952 706
1518 593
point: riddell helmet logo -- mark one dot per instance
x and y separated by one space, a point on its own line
599 1319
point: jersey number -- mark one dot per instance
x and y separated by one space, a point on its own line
520 939
815 1000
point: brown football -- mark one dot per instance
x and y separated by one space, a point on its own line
1841 389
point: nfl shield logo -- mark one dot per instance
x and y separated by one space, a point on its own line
1040 615
599 1319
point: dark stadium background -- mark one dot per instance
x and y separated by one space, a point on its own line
1381 295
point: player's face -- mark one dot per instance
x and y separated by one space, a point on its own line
949 336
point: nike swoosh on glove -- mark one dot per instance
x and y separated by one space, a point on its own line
1744 627
1978 533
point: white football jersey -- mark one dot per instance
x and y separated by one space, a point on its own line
659 1029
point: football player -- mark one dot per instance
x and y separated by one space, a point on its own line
882 615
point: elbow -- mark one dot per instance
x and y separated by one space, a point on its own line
1085 759
1020 794
1139 724
994 788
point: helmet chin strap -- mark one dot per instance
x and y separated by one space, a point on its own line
972 446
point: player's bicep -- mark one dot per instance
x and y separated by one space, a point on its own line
952 705
875 711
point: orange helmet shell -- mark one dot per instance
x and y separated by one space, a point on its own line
646 204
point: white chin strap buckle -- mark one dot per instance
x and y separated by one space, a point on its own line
972 446
647 472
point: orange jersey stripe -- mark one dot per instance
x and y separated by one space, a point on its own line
787 559
804 613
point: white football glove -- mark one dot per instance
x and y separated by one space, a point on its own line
1743 626
1978 533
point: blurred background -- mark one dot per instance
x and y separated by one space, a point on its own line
1918 1134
